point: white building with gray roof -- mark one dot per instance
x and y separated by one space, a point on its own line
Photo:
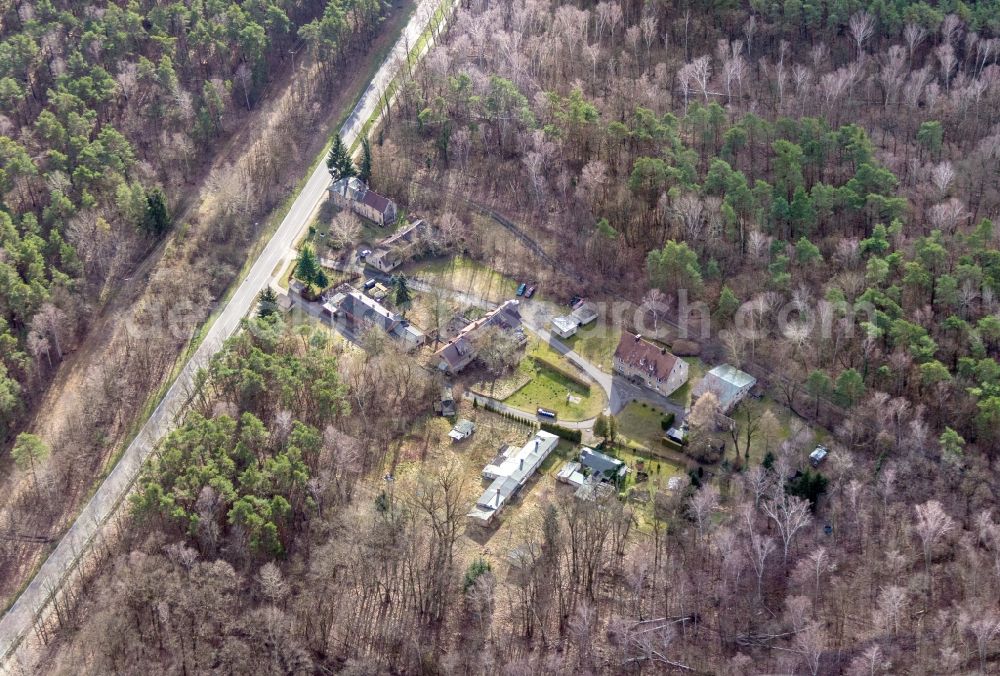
727 383
508 472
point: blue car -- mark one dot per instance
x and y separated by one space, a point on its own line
520 289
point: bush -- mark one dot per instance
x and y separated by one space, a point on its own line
563 432
707 452
667 421
476 568
808 486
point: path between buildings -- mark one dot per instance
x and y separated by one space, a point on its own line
489 403
19 619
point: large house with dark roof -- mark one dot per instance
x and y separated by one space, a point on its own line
394 250
649 365
352 193
358 312
459 352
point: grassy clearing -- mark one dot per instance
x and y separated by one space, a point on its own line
555 391
639 424
696 371
504 387
790 424
656 467
564 451
596 343
464 275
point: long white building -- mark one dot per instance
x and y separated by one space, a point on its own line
510 470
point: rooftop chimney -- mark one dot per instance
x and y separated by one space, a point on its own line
663 350
638 337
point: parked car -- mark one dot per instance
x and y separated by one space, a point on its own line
574 300
521 289
365 253
546 413
370 284
530 291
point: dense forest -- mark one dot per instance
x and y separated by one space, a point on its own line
824 173
108 113
855 178
145 145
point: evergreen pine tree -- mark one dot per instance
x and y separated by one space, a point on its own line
339 162
307 266
402 292
156 220
267 303
365 172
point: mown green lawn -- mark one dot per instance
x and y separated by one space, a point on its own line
596 343
466 276
696 370
566 450
552 390
655 467
639 424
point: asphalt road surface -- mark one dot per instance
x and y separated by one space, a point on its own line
18 621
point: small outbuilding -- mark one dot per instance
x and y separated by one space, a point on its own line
585 313
463 429
570 474
564 327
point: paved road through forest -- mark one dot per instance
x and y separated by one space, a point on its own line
18 621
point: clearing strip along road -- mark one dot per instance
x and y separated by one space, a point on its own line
18 621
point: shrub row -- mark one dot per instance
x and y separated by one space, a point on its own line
503 414
673 445
564 372
564 432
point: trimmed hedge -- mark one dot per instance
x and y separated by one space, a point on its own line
564 372
524 420
671 444
563 432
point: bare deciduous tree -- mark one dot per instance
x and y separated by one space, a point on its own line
862 25
702 504
931 525
789 513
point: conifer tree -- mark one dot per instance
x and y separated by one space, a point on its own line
365 172
339 162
